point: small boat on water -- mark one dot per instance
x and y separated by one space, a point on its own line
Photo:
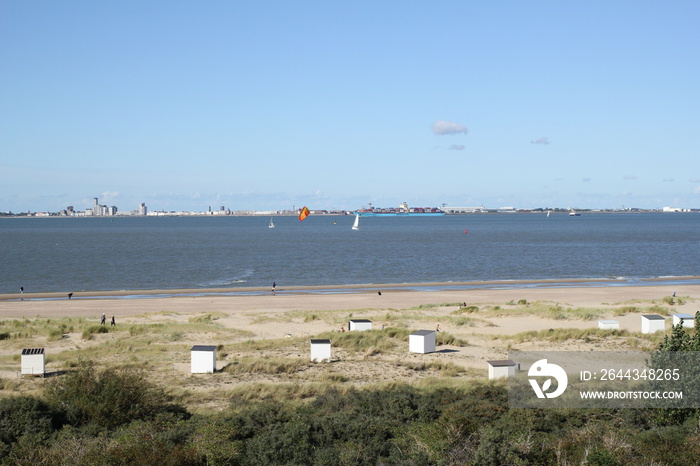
271 225
573 213
356 225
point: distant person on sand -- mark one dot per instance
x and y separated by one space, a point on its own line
379 293
70 295
437 329
21 289
103 319
112 324
342 329
274 286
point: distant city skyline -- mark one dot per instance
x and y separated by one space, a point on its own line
264 106
102 210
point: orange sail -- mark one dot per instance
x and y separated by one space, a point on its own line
304 213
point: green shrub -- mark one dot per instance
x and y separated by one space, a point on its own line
106 398
23 415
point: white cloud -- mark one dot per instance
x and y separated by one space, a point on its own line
456 147
542 140
668 180
442 127
109 196
586 180
629 177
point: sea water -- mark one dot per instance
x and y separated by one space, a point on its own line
74 254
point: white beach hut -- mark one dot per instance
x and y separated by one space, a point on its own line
359 325
504 368
203 359
687 319
422 341
320 350
608 325
652 323
33 361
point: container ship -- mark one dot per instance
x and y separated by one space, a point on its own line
402 211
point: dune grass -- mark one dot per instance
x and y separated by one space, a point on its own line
207 317
446 368
585 335
548 311
432 306
369 342
52 329
264 365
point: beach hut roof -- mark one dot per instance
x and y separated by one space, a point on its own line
320 341
423 332
684 316
502 363
203 348
361 320
653 317
26 351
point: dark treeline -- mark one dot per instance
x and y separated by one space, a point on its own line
116 416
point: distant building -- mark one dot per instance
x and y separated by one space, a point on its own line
142 209
464 210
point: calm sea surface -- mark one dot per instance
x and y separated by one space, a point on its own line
74 254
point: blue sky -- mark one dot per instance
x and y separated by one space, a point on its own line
270 104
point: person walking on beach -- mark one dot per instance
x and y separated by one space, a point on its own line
274 285
103 319
70 295
112 324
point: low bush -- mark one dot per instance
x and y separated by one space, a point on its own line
106 398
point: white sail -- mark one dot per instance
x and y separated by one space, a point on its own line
271 225
356 225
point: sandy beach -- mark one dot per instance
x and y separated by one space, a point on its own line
485 323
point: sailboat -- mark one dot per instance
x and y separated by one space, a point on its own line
356 225
271 225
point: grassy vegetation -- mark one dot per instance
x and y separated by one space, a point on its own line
432 306
369 342
562 334
250 365
446 368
